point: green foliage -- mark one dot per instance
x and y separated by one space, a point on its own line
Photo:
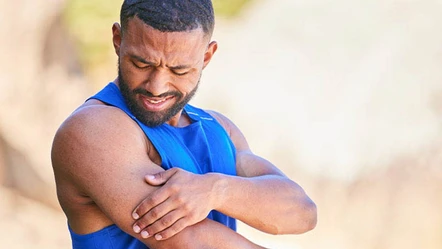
90 24
229 8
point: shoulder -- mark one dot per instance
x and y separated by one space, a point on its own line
234 132
98 123
92 133
226 123
94 113
94 120
210 115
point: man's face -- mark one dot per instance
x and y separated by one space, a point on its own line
159 72
150 113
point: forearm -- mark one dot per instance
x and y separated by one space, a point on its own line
205 234
270 203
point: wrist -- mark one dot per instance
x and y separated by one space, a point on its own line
219 190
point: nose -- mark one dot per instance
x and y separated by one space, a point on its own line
158 82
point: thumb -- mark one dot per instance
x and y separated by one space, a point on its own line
159 178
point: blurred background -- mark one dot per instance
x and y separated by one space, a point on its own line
344 96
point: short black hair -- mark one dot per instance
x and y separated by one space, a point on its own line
170 15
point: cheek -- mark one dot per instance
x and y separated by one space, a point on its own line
132 76
188 84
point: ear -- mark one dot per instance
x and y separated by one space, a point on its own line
116 37
213 46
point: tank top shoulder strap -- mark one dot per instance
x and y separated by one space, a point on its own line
110 95
197 114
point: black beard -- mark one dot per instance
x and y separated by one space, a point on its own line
146 117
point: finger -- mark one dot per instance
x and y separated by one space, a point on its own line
154 215
154 199
177 227
164 223
161 177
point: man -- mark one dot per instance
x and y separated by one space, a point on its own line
137 167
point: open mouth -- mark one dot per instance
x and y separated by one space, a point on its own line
155 103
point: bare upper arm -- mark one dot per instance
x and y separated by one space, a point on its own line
103 153
247 163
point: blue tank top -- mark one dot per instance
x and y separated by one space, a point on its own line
201 147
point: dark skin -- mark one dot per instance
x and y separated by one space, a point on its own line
95 142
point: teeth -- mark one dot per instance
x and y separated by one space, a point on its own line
156 101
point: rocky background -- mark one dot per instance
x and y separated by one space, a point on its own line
344 96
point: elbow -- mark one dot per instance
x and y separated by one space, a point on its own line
304 219
308 219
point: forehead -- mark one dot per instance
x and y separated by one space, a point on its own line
139 37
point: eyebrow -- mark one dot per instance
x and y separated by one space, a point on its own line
142 60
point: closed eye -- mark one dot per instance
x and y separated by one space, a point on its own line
143 66
180 73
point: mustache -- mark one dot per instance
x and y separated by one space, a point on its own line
163 95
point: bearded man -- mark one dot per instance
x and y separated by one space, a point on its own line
136 166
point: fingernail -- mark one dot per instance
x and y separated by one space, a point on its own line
144 234
150 177
158 237
137 229
135 216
